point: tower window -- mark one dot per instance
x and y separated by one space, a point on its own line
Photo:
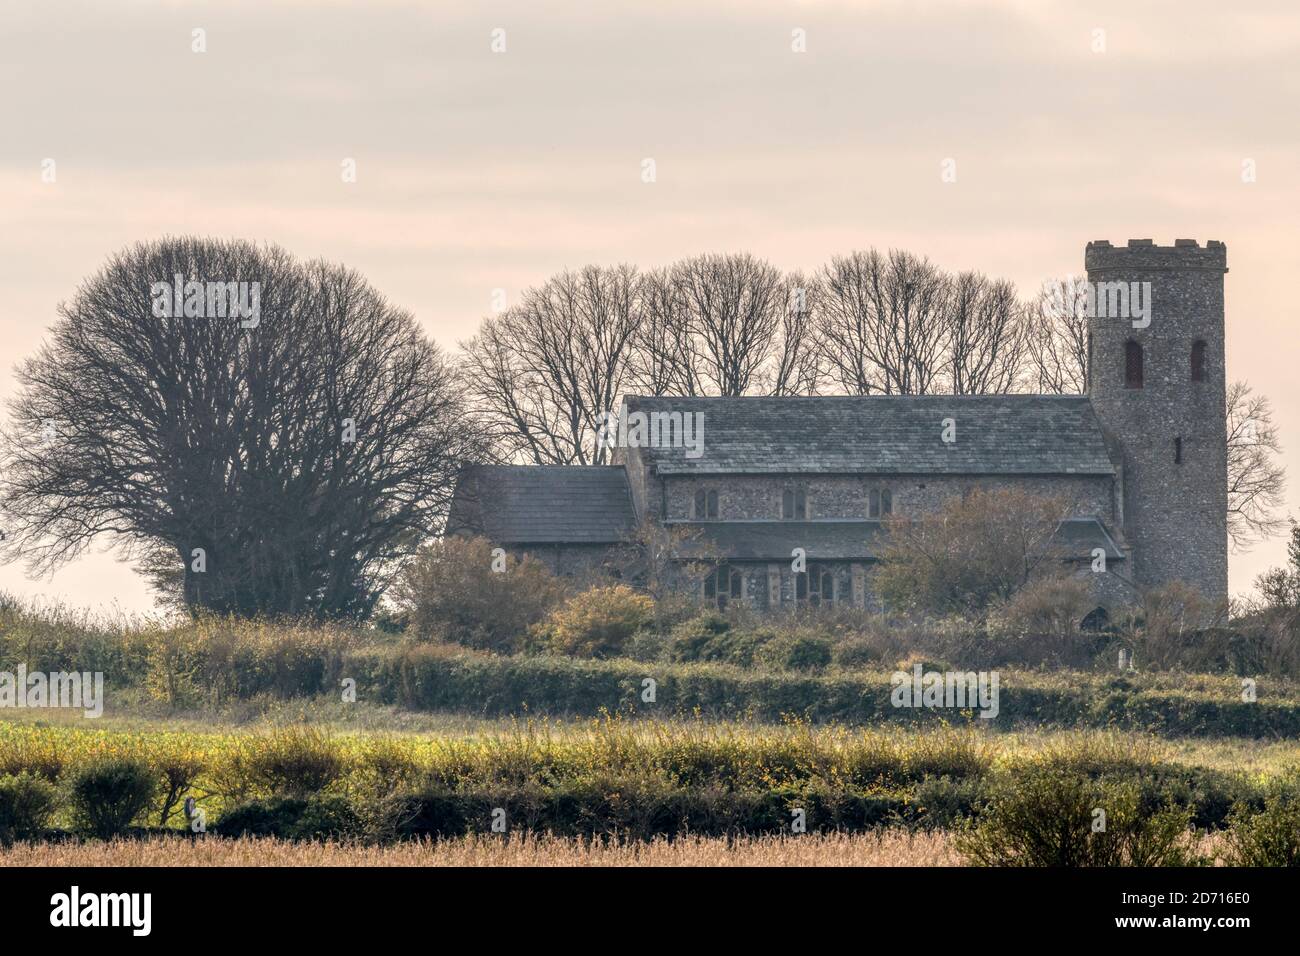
1178 450
794 505
1198 361
1132 365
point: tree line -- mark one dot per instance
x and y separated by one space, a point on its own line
867 323
292 465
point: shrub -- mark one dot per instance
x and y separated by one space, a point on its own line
1173 617
797 652
1270 837
450 590
292 818
1045 816
108 794
856 652
597 622
1048 608
26 804
944 802
177 764
713 637
294 762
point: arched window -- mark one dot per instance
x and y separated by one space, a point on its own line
723 586
1132 365
700 498
1178 450
1198 361
816 585
886 502
713 504
1098 619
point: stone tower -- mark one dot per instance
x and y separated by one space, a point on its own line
1156 380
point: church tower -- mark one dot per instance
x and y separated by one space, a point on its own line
1157 384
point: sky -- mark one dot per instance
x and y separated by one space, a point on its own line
496 143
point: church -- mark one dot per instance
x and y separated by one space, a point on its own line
1142 457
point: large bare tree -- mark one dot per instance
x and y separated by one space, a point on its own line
735 305
282 461
882 325
544 372
1256 476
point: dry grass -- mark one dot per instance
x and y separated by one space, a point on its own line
885 848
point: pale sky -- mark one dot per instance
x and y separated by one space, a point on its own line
479 170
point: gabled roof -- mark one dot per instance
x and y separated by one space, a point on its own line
852 540
535 504
886 434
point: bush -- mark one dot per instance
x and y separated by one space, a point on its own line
110 793
1045 816
1173 618
855 652
797 652
295 762
713 637
292 818
26 804
1048 608
1270 837
598 622
450 590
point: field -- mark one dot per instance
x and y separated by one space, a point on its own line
442 756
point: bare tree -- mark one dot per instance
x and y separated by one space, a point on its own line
1256 478
882 323
1056 343
845 314
544 372
979 549
986 335
664 358
276 462
736 306
795 363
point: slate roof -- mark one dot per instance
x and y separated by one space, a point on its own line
852 540
533 504
887 434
